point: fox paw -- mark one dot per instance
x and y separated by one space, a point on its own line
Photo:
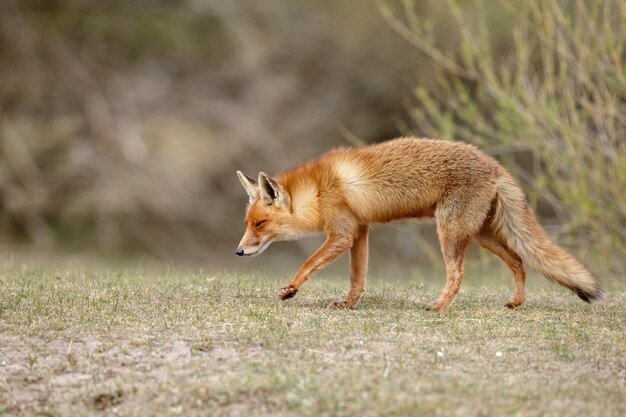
338 304
514 304
287 292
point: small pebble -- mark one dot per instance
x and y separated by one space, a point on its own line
440 354
498 354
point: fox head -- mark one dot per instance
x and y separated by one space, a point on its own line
269 217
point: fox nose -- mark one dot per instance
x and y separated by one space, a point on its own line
239 252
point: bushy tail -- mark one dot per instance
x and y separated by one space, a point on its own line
515 223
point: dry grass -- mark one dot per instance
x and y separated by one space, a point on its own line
135 343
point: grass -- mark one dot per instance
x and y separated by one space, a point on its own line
136 343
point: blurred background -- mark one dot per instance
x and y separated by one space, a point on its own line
122 123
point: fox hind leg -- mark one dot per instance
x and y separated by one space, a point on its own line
459 218
513 261
454 246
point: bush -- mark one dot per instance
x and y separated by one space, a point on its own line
558 97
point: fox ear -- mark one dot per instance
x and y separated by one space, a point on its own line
271 191
250 184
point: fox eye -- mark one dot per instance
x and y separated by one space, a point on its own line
260 223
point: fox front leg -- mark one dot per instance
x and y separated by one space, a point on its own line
330 250
358 270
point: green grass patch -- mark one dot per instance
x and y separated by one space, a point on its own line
139 343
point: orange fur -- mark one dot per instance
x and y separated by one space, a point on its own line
471 196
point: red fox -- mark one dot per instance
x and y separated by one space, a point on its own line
468 193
